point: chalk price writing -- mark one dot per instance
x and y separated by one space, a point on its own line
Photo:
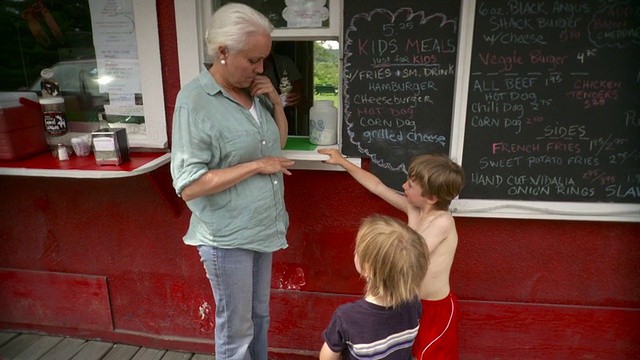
621 157
536 105
534 120
599 176
589 103
569 35
589 53
608 144
390 29
553 79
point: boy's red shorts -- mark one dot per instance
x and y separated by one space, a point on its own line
438 333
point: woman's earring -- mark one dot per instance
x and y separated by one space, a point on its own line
222 62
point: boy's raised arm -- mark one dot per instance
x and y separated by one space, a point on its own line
366 179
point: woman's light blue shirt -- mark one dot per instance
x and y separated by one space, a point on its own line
213 131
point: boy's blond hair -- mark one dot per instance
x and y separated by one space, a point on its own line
392 257
438 176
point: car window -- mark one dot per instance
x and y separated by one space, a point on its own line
74 77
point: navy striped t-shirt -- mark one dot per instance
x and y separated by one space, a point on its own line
362 330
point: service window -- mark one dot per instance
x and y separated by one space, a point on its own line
104 55
306 31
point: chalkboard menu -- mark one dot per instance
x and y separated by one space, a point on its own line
553 111
399 73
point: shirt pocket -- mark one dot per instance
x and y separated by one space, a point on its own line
239 146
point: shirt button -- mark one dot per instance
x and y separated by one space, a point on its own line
275 182
263 142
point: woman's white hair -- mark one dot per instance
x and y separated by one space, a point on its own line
231 25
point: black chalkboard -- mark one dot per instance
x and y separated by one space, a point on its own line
399 74
553 111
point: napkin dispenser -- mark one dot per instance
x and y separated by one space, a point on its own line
110 146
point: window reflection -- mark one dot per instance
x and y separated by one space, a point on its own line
45 33
58 35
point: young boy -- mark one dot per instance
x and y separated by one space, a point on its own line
433 181
392 258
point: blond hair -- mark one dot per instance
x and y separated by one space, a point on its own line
392 257
438 176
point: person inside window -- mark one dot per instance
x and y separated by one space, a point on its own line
287 80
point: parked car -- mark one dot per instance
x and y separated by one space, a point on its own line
75 76
78 83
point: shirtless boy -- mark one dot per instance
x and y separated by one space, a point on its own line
433 181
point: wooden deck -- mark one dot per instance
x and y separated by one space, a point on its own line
25 346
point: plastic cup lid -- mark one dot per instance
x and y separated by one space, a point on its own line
46 73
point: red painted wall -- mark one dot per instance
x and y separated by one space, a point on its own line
529 289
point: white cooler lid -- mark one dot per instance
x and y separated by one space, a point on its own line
9 99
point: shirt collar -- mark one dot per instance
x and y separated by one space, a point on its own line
208 83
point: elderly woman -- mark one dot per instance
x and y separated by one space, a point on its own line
228 131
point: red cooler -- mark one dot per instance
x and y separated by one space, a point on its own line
21 126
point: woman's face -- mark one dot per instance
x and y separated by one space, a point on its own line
243 66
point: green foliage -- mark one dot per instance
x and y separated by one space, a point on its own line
325 74
322 54
325 71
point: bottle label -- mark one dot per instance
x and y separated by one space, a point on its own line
55 123
321 132
50 88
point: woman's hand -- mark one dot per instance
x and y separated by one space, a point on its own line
272 165
217 180
262 85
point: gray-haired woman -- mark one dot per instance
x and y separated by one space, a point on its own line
228 131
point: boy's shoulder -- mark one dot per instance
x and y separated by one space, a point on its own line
438 221
443 218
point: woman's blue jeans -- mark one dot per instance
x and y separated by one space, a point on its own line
241 283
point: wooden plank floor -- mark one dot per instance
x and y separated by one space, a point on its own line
25 346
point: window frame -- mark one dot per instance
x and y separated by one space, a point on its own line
148 41
150 76
193 18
